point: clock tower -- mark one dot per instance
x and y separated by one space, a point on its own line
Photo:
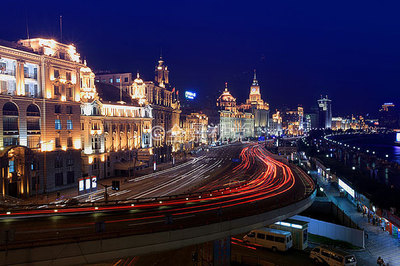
255 95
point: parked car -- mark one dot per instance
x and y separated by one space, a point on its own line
332 257
270 238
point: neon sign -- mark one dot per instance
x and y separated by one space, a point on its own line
190 95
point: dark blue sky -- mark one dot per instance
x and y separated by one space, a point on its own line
301 49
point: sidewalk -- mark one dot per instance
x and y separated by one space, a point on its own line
379 243
73 192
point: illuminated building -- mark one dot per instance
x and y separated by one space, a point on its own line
234 125
163 101
193 132
324 113
293 121
275 125
256 105
115 132
345 123
166 111
40 97
226 101
389 116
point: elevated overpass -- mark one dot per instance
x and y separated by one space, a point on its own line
258 191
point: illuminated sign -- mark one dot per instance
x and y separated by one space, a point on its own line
87 183
94 182
346 188
398 137
81 185
190 95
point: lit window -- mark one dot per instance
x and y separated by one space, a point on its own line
69 124
111 80
58 124
117 80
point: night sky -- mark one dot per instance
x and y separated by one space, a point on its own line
301 49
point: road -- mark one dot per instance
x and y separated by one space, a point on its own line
176 180
254 185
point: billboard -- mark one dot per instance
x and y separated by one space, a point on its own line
190 95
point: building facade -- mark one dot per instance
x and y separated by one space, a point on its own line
324 113
234 124
116 135
256 105
40 84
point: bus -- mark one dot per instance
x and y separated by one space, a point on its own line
270 238
332 257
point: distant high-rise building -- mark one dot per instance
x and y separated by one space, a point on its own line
258 107
324 113
388 116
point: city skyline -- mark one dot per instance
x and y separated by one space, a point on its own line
286 56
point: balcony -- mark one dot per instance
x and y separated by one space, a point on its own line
30 76
8 72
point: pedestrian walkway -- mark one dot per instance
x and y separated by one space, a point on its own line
378 243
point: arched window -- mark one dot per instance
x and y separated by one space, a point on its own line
10 109
33 126
32 110
10 124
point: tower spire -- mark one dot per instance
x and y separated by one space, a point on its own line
255 81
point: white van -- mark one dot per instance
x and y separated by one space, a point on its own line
332 257
270 238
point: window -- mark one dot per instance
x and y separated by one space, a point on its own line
96 142
57 109
68 76
69 92
126 79
270 238
82 126
58 163
70 162
58 124
337 258
69 109
279 239
56 73
69 142
326 254
11 166
69 124
58 141
261 236
59 179
111 80
62 55
251 234
10 141
117 80
70 177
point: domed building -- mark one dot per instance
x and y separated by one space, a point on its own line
226 101
234 125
